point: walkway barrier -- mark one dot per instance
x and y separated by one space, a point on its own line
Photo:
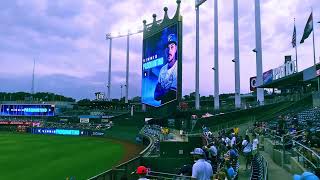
306 156
293 150
166 176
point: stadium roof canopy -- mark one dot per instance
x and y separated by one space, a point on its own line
291 81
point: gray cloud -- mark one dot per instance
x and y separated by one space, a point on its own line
67 38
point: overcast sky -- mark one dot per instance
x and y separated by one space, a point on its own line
67 39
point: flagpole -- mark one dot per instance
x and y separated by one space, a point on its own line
296 58
296 45
314 49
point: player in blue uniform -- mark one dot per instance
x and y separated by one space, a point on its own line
166 88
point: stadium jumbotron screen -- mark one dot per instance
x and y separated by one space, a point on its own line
27 110
160 67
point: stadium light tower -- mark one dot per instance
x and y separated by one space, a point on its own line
236 60
216 57
111 36
121 86
197 98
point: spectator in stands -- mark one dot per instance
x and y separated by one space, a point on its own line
231 153
212 155
221 175
233 139
186 170
227 141
231 157
201 169
255 144
247 150
230 171
236 131
239 142
142 172
305 176
213 151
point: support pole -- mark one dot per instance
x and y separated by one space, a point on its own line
260 91
197 98
237 56
127 71
216 57
109 71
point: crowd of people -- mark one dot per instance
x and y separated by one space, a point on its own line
218 158
222 151
293 126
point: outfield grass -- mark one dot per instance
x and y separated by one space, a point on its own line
26 156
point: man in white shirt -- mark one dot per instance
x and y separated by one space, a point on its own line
255 143
247 150
233 140
201 169
227 141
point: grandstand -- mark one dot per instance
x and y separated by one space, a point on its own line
273 132
257 120
171 137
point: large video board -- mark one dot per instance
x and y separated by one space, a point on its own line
160 67
27 110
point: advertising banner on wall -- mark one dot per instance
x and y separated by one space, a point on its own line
84 120
27 110
160 67
309 73
253 83
268 76
70 132
284 70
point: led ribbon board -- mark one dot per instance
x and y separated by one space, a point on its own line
27 110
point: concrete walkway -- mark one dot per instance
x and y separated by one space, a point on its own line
275 172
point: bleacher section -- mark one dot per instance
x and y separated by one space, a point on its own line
262 113
311 114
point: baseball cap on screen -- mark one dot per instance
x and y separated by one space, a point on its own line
172 38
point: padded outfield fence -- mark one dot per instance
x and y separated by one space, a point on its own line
124 169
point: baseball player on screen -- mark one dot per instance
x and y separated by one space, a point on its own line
167 81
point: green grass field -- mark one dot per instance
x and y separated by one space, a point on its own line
26 156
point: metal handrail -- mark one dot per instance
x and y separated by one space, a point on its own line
296 145
266 166
314 166
162 175
307 148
